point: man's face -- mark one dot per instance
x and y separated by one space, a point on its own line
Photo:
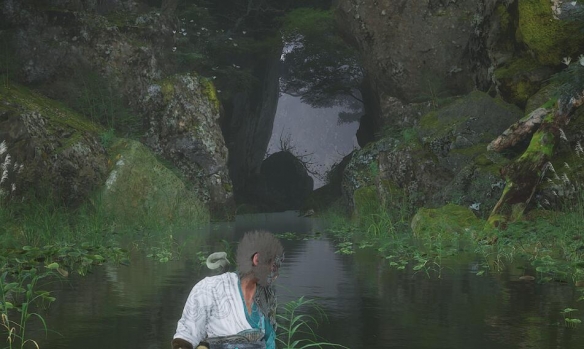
272 270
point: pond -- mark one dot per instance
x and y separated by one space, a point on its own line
368 304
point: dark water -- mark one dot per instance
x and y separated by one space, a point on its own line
368 304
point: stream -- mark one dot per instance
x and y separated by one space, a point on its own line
367 303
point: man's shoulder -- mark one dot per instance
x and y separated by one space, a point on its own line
218 279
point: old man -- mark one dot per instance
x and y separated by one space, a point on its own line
235 308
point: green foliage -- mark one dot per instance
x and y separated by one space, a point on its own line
319 66
8 62
296 327
18 298
166 250
21 269
570 322
308 23
107 137
205 44
96 98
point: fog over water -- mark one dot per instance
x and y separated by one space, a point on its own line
313 131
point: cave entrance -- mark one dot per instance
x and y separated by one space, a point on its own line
318 137
305 147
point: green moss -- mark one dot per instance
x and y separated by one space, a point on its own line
228 187
472 151
549 38
550 103
211 93
504 16
431 123
483 161
120 19
448 219
142 189
24 99
523 90
19 99
514 78
516 67
541 142
168 90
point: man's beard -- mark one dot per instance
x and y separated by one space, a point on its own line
265 276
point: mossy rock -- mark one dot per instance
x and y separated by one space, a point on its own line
520 78
546 97
59 149
459 133
140 187
549 38
447 220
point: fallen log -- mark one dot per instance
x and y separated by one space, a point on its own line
524 175
519 130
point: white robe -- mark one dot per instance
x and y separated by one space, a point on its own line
214 308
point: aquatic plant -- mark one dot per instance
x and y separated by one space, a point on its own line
296 328
19 296
570 322
167 249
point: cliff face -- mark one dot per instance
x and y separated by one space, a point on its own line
412 49
418 51
420 57
249 122
112 61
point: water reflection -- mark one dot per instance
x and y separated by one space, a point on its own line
368 304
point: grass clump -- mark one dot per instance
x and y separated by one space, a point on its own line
296 327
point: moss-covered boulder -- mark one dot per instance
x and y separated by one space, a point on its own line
443 159
545 27
51 148
142 189
446 220
183 115
520 78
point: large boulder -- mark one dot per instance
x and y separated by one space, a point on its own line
183 113
140 189
412 49
443 159
50 149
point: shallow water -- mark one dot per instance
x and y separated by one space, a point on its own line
368 304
